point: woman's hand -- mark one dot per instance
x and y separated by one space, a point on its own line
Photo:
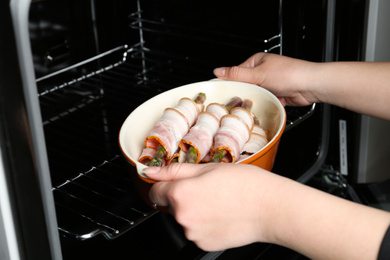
222 206
362 87
219 205
288 78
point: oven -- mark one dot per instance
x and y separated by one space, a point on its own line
71 72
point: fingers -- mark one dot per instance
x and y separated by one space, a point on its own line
237 73
245 72
174 171
254 60
164 192
158 194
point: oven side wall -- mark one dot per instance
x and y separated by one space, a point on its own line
25 170
374 150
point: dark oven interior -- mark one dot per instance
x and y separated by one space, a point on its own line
96 61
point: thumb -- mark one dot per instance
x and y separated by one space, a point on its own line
175 171
159 193
237 73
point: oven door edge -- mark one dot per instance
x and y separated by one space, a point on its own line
29 178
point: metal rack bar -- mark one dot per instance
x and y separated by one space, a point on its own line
151 25
174 30
119 48
103 208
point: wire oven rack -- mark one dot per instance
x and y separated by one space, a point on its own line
92 186
83 107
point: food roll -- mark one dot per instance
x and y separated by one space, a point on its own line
189 109
245 115
231 137
173 125
147 155
168 131
255 143
200 136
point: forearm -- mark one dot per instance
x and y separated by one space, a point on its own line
363 87
320 225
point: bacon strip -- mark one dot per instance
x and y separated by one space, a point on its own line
217 110
201 135
189 109
178 156
245 115
231 137
168 131
256 142
147 155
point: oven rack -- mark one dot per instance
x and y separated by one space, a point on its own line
203 36
99 201
92 185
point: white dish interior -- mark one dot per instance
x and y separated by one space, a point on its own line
138 124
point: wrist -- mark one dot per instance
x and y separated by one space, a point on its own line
312 83
272 209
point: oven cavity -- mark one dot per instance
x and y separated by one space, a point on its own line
85 98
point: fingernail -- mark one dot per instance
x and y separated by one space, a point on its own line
152 170
219 72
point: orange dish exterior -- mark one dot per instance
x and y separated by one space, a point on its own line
266 157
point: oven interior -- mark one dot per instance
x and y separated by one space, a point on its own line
96 61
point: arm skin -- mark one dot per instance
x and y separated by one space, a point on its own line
362 87
222 206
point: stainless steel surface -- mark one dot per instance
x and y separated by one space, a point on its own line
9 248
19 12
374 149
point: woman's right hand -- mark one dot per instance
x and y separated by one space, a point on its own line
289 79
219 205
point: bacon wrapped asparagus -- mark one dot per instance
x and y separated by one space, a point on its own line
172 126
258 139
234 132
198 142
147 155
153 157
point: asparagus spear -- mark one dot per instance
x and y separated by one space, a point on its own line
200 99
158 157
218 156
234 102
247 104
191 155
